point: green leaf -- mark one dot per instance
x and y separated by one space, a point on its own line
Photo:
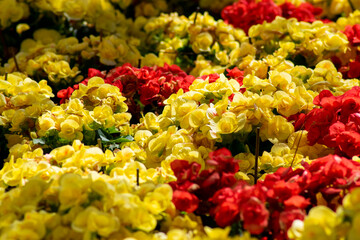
40 141
112 129
95 125
161 152
106 139
89 137
122 139
102 136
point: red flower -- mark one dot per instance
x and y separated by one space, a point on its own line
226 214
183 170
282 190
212 77
209 182
255 215
296 201
287 217
223 161
353 34
64 94
349 143
304 12
148 92
246 13
236 74
185 201
224 194
354 68
227 179
92 72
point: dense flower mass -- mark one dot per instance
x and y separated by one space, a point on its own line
335 124
166 120
246 13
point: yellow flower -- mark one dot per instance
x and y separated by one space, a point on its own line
157 145
18 120
74 9
61 153
277 129
14 139
202 42
60 70
26 229
217 233
103 115
22 27
75 106
70 129
93 220
45 123
194 119
285 103
46 36
73 190
351 201
158 200
142 136
320 224
354 232
12 11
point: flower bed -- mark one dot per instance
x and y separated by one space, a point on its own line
127 119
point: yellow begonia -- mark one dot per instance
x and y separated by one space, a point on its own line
277 129
71 128
73 190
93 220
12 11
320 224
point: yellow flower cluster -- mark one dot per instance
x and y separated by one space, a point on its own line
62 195
22 101
94 204
12 11
193 122
333 8
157 147
292 153
49 54
25 161
102 13
315 41
324 223
90 107
352 19
177 38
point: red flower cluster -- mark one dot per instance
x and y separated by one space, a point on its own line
337 123
285 195
152 84
246 13
304 12
353 34
350 69
194 186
